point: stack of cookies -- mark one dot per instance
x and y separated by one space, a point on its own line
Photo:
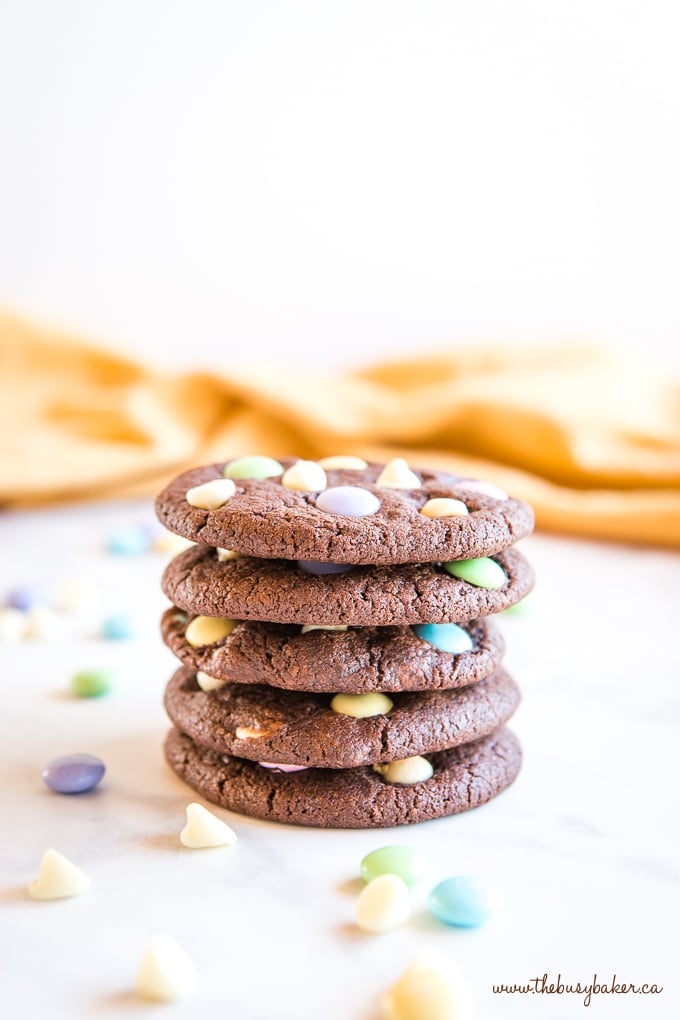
338 665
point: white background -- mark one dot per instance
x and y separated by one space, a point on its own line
336 182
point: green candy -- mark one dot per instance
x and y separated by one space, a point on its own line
92 683
483 573
252 467
410 865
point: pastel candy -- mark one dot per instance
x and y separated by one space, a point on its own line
383 904
169 542
362 706
119 627
444 508
343 463
166 973
129 541
24 599
275 767
482 573
315 567
92 683
12 624
407 771
348 501
208 683
211 495
73 773
205 630
398 475
431 988
447 637
58 878
42 624
486 488
305 476
463 901
252 467
409 864
204 829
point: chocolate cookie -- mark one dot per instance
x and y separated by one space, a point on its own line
359 798
292 728
369 596
265 519
356 661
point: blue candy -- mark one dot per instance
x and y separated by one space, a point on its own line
118 627
130 541
447 637
25 599
464 902
73 773
348 501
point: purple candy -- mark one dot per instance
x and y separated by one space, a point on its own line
282 768
73 773
25 599
349 501
314 567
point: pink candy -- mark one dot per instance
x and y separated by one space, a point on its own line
282 768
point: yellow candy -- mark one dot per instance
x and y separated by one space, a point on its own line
383 904
361 706
211 495
444 508
343 464
407 771
205 630
305 476
431 988
398 475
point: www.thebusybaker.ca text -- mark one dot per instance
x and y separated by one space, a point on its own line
545 986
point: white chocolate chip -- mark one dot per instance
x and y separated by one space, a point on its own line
250 733
169 542
211 495
431 986
308 627
407 771
305 476
444 508
207 682
166 974
383 904
204 829
205 630
58 878
12 624
223 555
362 706
343 463
398 475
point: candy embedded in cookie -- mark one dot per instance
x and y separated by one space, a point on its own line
379 514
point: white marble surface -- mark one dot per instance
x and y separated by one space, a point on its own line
584 845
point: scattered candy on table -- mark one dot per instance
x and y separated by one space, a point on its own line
166 973
204 829
132 540
58 878
431 988
362 706
408 864
169 542
463 901
482 573
25 599
13 625
447 637
253 467
348 501
92 683
118 627
383 904
42 624
73 773
74 594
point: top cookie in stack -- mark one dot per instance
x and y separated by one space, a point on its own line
347 578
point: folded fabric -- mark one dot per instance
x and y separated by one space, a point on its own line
591 438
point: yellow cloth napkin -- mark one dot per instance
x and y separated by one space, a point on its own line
590 438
